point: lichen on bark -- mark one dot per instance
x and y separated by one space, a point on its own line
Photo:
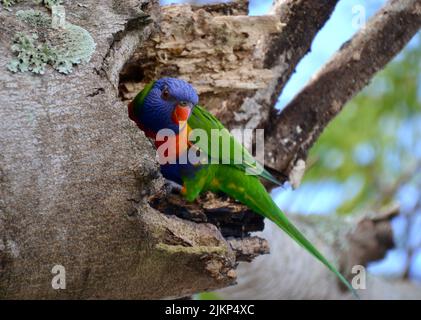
61 48
47 3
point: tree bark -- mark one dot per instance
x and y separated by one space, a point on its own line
75 174
347 72
286 273
79 184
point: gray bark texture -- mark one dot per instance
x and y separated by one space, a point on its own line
79 183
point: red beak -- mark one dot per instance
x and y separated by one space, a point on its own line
180 114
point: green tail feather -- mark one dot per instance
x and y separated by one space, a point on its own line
248 190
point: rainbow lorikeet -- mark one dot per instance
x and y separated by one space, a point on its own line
172 104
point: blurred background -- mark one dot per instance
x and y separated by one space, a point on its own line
369 157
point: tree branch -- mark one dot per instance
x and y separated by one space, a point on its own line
228 56
281 54
291 273
291 133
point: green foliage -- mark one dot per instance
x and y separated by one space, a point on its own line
364 137
208 296
60 48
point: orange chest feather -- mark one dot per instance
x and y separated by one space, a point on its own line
170 147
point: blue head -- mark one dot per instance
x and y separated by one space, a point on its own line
163 104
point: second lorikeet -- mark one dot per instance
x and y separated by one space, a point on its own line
171 103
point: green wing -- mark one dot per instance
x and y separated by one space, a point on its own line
238 156
245 188
250 191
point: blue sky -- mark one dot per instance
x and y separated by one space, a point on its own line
336 31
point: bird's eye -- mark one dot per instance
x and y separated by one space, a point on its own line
165 94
